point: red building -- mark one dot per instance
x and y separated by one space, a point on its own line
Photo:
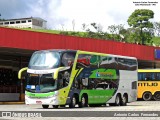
16 47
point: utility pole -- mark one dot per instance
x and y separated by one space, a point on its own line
73 24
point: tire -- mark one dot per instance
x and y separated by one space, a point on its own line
45 106
55 106
73 102
118 100
124 100
147 96
156 96
84 102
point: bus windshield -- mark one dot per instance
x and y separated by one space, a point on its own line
39 83
44 60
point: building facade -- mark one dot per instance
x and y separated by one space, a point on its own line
16 47
31 22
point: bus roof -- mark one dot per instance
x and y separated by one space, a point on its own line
87 52
96 53
148 70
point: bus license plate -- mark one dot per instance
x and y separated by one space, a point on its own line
39 102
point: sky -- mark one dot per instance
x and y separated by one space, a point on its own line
71 14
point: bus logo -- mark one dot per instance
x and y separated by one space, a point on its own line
148 84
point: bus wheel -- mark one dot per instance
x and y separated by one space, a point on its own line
84 101
124 100
157 96
55 106
73 102
45 106
147 96
118 100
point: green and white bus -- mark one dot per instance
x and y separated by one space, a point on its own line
79 78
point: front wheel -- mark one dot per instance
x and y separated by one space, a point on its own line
84 102
73 102
45 106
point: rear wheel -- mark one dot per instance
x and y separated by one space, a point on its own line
84 101
73 102
147 96
45 106
118 100
124 100
157 96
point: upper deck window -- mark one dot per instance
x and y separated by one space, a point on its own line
44 60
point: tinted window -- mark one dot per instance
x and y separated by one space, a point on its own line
17 22
148 76
68 59
127 64
44 60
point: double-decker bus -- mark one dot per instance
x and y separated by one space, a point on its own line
149 84
79 78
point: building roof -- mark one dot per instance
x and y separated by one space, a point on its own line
38 18
29 40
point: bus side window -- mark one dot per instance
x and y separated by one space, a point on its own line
158 76
91 84
85 82
68 59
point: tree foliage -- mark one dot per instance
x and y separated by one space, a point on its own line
116 32
140 19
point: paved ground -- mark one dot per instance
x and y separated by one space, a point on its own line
122 112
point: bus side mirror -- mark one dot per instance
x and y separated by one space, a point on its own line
22 73
55 75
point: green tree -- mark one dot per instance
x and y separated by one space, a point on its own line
140 19
95 31
116 32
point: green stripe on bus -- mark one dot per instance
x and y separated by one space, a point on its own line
40 95
98 96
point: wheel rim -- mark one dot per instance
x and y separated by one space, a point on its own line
124 99
147 96
74 101
158 96
83 101
117 100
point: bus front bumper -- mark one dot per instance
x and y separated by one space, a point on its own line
47 101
